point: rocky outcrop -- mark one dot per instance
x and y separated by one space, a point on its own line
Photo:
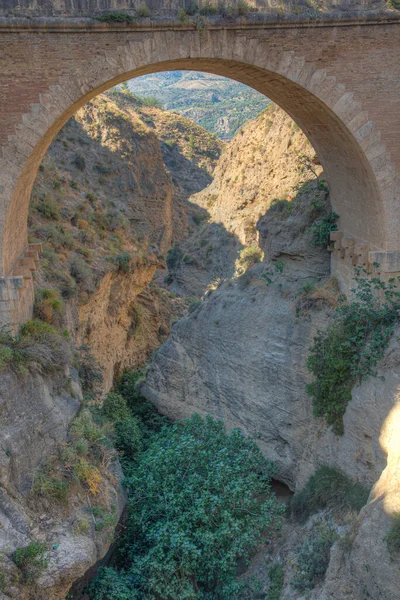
35 413
125 321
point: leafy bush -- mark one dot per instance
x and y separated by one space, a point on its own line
90 373
328 488
57 237
48 208
242 7
312 557
115 17
321 229
122 262
393 537
48 306
151 421
79 162
199 499
31 560
349 350
275 575
115 407
207 8
50 487
248 257
198 218
128 437
283 208
142 10
173 257
82 273
127 386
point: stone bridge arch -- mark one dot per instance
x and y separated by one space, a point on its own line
320 76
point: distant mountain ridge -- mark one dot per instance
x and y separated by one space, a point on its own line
220 105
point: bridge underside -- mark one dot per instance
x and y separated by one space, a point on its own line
340 83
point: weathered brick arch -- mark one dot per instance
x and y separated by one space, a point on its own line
332 110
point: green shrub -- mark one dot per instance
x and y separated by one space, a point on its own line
183 15
283 208
115 17
328 488
79 161
57 237
199 499
248 257
242 7
127 386
90 373
48 306
194 305
31 560
173 257
48 208
50 487
395 4
312 557
207 8
122 262
275 575
321 230
142 10
393 537
3 582
192 9
115 407
151 421
82 273
349 350
198 218
128 437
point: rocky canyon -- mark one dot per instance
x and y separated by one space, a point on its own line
207 266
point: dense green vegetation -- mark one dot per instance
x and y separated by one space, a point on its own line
31 560
276 576
328 488
349 350
198 500
393 537
312 557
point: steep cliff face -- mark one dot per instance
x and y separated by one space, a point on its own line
36 508
110 198
263 163
268 164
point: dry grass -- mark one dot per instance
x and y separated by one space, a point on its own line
327 295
